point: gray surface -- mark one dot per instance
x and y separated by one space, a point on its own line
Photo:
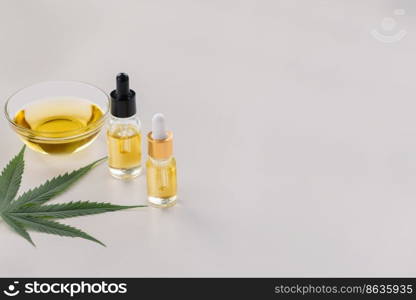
295 135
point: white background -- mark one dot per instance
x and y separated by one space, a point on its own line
295 135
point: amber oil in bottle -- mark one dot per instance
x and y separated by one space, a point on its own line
124 133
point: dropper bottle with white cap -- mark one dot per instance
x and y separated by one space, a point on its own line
161 165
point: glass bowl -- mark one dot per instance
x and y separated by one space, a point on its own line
57 117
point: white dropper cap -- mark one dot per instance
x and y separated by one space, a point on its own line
159 127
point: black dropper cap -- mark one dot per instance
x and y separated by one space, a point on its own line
123 99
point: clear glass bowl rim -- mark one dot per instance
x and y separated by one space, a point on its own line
92 128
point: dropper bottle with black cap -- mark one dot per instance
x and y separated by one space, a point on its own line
124 132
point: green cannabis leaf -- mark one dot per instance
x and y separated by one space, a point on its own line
28 212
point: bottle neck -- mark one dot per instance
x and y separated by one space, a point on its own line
115 122
164 161
121 120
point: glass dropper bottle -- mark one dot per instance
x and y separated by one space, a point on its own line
161 165
124 132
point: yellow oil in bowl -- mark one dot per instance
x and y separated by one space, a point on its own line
58 125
